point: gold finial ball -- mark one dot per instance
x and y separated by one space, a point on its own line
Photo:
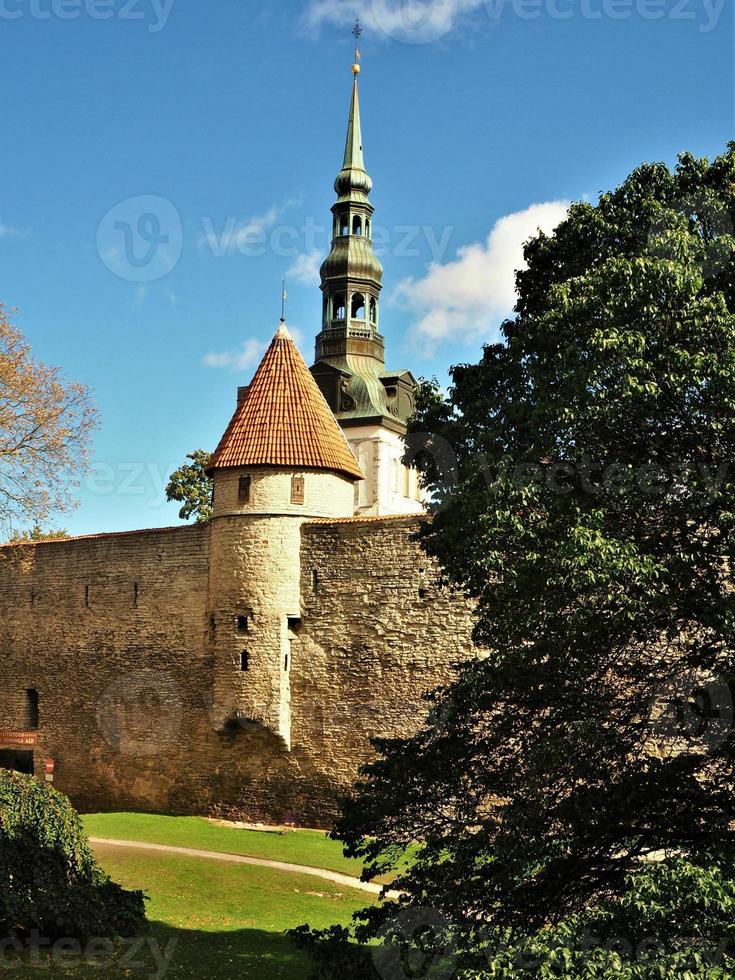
355 69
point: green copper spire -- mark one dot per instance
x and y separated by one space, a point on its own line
350 353
353 181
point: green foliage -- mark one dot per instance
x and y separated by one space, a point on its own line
674 919
191 486
37 533
582 478
49 880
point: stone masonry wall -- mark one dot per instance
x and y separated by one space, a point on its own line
116 635
110 632
378 631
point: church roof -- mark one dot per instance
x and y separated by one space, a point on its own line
284 420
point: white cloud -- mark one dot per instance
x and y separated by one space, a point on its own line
410 21
475 291
305 269
248 354
7 231
243 236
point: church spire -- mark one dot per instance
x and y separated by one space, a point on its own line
352 275
370 403
353 182
354 159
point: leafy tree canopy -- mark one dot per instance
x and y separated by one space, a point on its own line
37 533
582 477
46 424
191 486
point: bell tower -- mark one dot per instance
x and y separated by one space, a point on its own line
370 403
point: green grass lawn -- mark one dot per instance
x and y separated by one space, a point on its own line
225 921
308 847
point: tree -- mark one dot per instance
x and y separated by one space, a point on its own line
587 508
45 428
191 486
49 879
37 533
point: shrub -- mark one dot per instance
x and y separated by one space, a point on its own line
49 879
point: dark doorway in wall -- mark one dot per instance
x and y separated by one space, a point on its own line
17 760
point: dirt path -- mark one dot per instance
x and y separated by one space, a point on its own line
333 876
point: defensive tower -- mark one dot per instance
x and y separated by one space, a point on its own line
282 460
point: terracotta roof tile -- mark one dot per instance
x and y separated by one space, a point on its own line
284 420
370 519
100 537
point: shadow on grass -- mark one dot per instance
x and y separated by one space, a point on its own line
166 952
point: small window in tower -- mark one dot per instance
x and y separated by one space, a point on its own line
357 225
242 624
31 710
297 490
358 307
373 310
344 226
86 596
244 661
367 227
315 580
338 307
243 489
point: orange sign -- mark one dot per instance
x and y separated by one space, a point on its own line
19 739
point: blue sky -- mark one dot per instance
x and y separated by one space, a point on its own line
225 121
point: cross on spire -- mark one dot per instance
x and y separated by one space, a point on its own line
357 34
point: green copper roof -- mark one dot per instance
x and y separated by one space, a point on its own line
350 352
354 159
353 177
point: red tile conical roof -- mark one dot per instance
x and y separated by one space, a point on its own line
284 420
